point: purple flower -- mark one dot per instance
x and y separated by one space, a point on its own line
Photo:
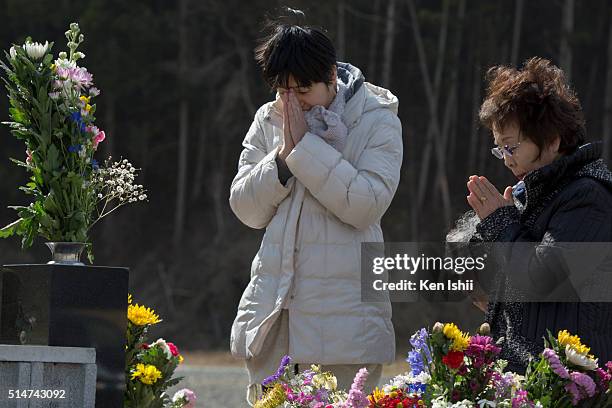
521 400
77 75
555 363
279 373
356 397
482 350
603 379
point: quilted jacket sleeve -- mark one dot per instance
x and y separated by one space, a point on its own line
256 190
357 194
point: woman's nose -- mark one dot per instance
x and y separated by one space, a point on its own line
508 160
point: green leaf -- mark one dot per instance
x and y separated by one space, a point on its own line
52 162
10 229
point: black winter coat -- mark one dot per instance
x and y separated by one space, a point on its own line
569 200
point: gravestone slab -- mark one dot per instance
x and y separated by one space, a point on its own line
70 306
47 377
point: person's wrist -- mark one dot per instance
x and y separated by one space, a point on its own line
283 153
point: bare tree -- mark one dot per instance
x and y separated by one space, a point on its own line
567 28
183 130
516 32
433 112
372 54
341 34
388 48
607 116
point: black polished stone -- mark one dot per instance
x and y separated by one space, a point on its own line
73 306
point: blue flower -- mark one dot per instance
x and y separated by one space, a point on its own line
94 164
420 352
74 148
77 118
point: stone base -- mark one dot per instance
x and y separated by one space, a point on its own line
70 306
41 377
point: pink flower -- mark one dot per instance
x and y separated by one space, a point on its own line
173 349
186 396
99 137
356 397
29 159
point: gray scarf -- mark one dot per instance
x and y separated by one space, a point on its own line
327 123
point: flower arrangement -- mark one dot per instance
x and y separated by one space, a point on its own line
150 367
449 368
52 111
452 369
311 389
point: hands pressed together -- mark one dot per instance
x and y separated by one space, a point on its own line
484 198
294 123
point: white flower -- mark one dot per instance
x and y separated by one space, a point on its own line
13 52
579 360
36 50
82 152
99 195
64 63
120 190
142 197
164 346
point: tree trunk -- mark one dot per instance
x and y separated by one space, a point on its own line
183 129
567 28
388 47
372 54
341 36
516 32
433 112
607 114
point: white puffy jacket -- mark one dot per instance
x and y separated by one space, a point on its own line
309 259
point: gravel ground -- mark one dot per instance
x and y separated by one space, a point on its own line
217 386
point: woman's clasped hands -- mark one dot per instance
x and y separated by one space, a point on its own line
484 197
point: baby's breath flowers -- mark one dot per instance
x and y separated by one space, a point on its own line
115 186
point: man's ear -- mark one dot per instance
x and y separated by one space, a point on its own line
334 78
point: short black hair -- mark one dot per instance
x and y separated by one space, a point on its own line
292 49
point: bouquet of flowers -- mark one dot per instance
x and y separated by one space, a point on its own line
52 111
150 367
450 368
311 389
566 375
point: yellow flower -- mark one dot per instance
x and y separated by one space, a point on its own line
181 359
376 395
84 99
451 330
52 67
273 398
141 316
566 339
147 374
129 299
87 107
460 340
325 380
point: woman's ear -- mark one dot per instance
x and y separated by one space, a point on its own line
554 146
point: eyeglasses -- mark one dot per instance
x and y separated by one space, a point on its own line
500 151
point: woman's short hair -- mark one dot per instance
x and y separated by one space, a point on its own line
292 49
538 98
